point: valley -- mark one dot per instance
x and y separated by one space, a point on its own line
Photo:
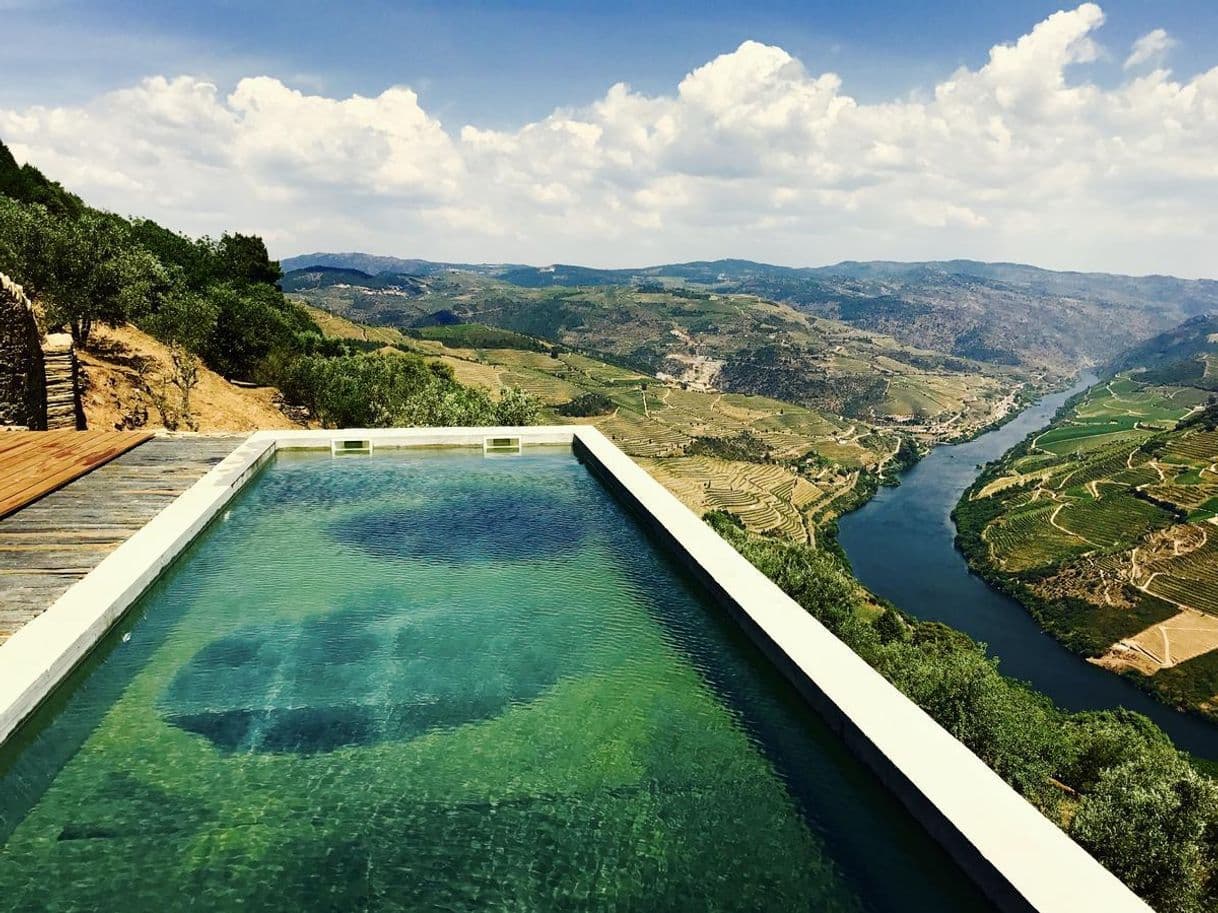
1104 523
998 313
783 469
700 341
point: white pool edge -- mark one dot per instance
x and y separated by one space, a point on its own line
1020 859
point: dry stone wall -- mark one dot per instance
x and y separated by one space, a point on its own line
23 401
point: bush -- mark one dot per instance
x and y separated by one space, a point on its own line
745 447
1153 821
379 390
476 336
251 322
586 405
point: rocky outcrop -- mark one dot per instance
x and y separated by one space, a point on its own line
23 400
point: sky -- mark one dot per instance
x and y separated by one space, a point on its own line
625 134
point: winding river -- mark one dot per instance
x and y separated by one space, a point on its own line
902 547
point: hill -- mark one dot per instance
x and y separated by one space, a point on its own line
1106 523
124 376
998 312
1182 349
701 340
194 319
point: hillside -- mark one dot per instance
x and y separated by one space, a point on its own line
999 312
700 340
1106 523
124 378
1181 350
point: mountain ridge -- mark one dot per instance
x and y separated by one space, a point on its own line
1002 313
848 268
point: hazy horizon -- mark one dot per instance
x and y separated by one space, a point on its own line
642 267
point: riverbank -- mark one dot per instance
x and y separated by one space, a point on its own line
1099 542
901 545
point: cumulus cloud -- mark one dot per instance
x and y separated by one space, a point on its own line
754 154
1149 48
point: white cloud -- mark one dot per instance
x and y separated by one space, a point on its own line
1150 47
752 154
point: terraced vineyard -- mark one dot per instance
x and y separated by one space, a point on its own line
1106 526
701 340
803 466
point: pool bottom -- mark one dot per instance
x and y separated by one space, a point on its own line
310 715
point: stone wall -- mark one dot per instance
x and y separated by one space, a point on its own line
22 374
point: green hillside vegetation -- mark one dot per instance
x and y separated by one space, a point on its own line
701 340
477 336
1106 524
216 302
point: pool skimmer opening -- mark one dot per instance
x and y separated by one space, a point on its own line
339 446
501 445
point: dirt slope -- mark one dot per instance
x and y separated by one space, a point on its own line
124 375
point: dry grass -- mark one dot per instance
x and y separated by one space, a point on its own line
124 369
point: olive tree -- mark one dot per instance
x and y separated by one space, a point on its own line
1152 821
82 271
183 322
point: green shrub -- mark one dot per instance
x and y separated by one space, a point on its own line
378 390
1153 820
587 404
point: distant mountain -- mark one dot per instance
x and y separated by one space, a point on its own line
372 264
1179 355
1003 313
319 277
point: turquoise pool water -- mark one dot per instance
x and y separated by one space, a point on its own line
431 680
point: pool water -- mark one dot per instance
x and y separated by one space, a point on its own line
433 680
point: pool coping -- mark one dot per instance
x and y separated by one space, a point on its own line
1020 859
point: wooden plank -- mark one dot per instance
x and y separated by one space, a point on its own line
51 543
35 463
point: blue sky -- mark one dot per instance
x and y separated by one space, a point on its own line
629 133
499 64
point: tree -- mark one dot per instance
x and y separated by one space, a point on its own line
251 322
184 322
587 404
515 407
83 270
25 245
26 184
243 259
395 389
1152 821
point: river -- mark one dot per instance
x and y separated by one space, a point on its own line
901 545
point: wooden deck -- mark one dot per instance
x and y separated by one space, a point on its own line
35 463
51 543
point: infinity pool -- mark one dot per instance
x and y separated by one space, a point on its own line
432 680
